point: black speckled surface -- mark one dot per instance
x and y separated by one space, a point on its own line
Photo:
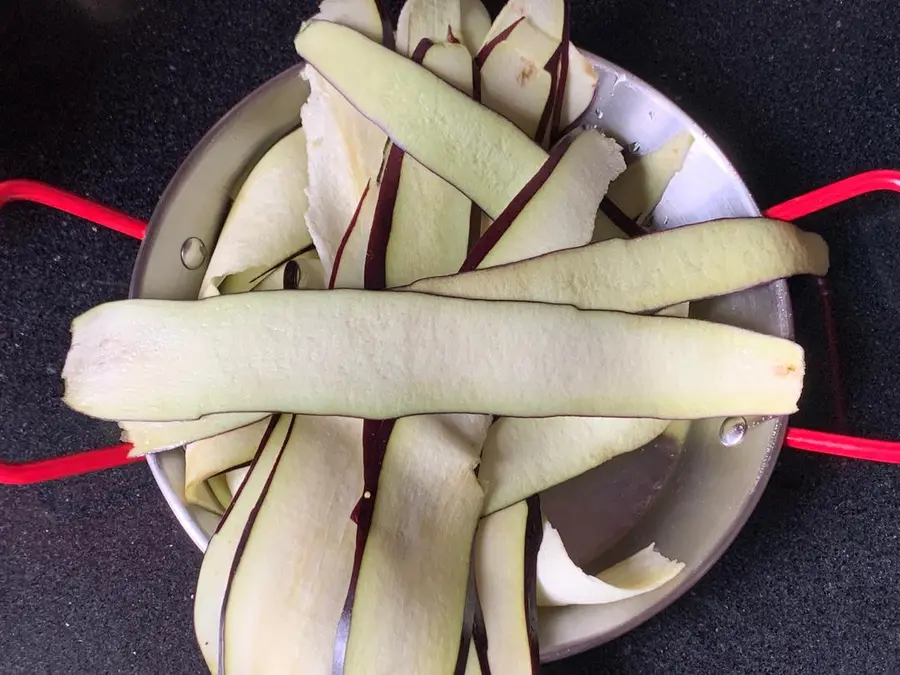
106 97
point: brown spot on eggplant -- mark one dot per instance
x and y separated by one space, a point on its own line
527 73
785 369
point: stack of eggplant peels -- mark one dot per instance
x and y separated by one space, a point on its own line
428 304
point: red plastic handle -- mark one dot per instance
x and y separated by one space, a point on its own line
22 473
25 473
818 441
67 202
843 446
835 193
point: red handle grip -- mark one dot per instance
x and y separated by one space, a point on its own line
21 473
67 202
798 207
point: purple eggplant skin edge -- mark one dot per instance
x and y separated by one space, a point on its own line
480 640
376 434
618 217
555 132
375 273
534 535
262 444
486 50
382 221
242 545
287 259
503 222
339 254
471 607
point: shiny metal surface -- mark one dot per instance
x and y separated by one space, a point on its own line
692 503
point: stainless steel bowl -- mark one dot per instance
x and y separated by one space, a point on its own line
692 504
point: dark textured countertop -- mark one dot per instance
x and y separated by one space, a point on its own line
106 97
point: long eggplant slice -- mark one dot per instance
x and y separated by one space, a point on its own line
422 501
344 148
415 566
384 354
291 577
505 557
430 219
215 572
427 493
484 155
647 273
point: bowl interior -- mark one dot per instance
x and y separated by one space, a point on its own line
690 503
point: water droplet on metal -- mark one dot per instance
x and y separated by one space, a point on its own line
635 147
193 253
732 431
598 113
